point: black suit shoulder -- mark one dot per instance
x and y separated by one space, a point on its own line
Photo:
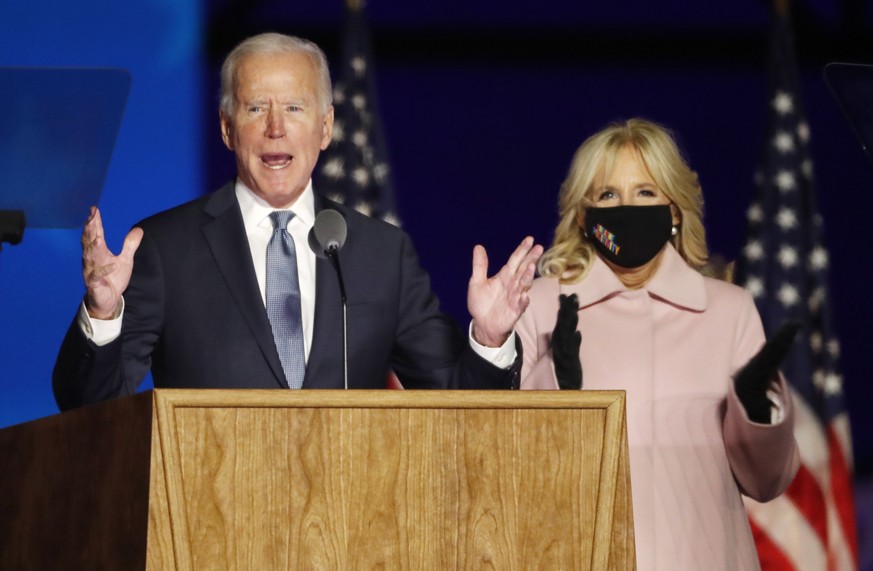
178 219
374 227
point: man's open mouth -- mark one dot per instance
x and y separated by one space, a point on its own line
276 161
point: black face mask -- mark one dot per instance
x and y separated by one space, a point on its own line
629 236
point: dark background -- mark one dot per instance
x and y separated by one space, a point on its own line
483 104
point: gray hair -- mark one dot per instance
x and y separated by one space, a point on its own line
273 44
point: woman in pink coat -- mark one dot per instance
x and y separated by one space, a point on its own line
706 421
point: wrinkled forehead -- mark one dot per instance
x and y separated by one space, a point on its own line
290 72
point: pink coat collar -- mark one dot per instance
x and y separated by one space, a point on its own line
674 282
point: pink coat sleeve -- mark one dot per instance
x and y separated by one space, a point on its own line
763 457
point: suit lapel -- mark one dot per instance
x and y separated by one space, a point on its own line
228 242
326 349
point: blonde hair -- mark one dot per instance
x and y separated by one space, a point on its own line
571 253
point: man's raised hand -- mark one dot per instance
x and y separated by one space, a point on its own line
496 303
106 275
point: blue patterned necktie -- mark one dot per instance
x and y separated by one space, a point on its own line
283 299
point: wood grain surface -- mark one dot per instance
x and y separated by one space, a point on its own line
396 480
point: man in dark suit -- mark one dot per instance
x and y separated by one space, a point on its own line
193 277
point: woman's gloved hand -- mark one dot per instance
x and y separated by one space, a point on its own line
566 341
753 379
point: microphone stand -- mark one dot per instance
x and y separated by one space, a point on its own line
332 252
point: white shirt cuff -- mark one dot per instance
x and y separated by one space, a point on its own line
777 411
503 356
100 331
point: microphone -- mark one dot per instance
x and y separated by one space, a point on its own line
330 231
327 237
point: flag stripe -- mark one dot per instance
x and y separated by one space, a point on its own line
772 558
392 382
809 498
811 439
843 432
839 551
841 490
787 531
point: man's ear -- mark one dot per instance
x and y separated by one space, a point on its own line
226 130
327 128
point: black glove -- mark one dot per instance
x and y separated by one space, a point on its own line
565 344
753 380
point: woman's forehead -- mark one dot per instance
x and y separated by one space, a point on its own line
626 157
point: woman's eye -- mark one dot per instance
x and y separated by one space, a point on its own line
606 195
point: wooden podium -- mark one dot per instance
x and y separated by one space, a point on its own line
332 480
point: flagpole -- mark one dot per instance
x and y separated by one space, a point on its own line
356 5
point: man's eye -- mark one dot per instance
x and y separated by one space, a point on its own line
293 108
255 109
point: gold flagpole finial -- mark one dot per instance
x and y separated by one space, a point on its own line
780 7
355 4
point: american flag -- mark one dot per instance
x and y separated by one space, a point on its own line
354 169
784 265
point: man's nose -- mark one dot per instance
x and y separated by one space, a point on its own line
275 124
